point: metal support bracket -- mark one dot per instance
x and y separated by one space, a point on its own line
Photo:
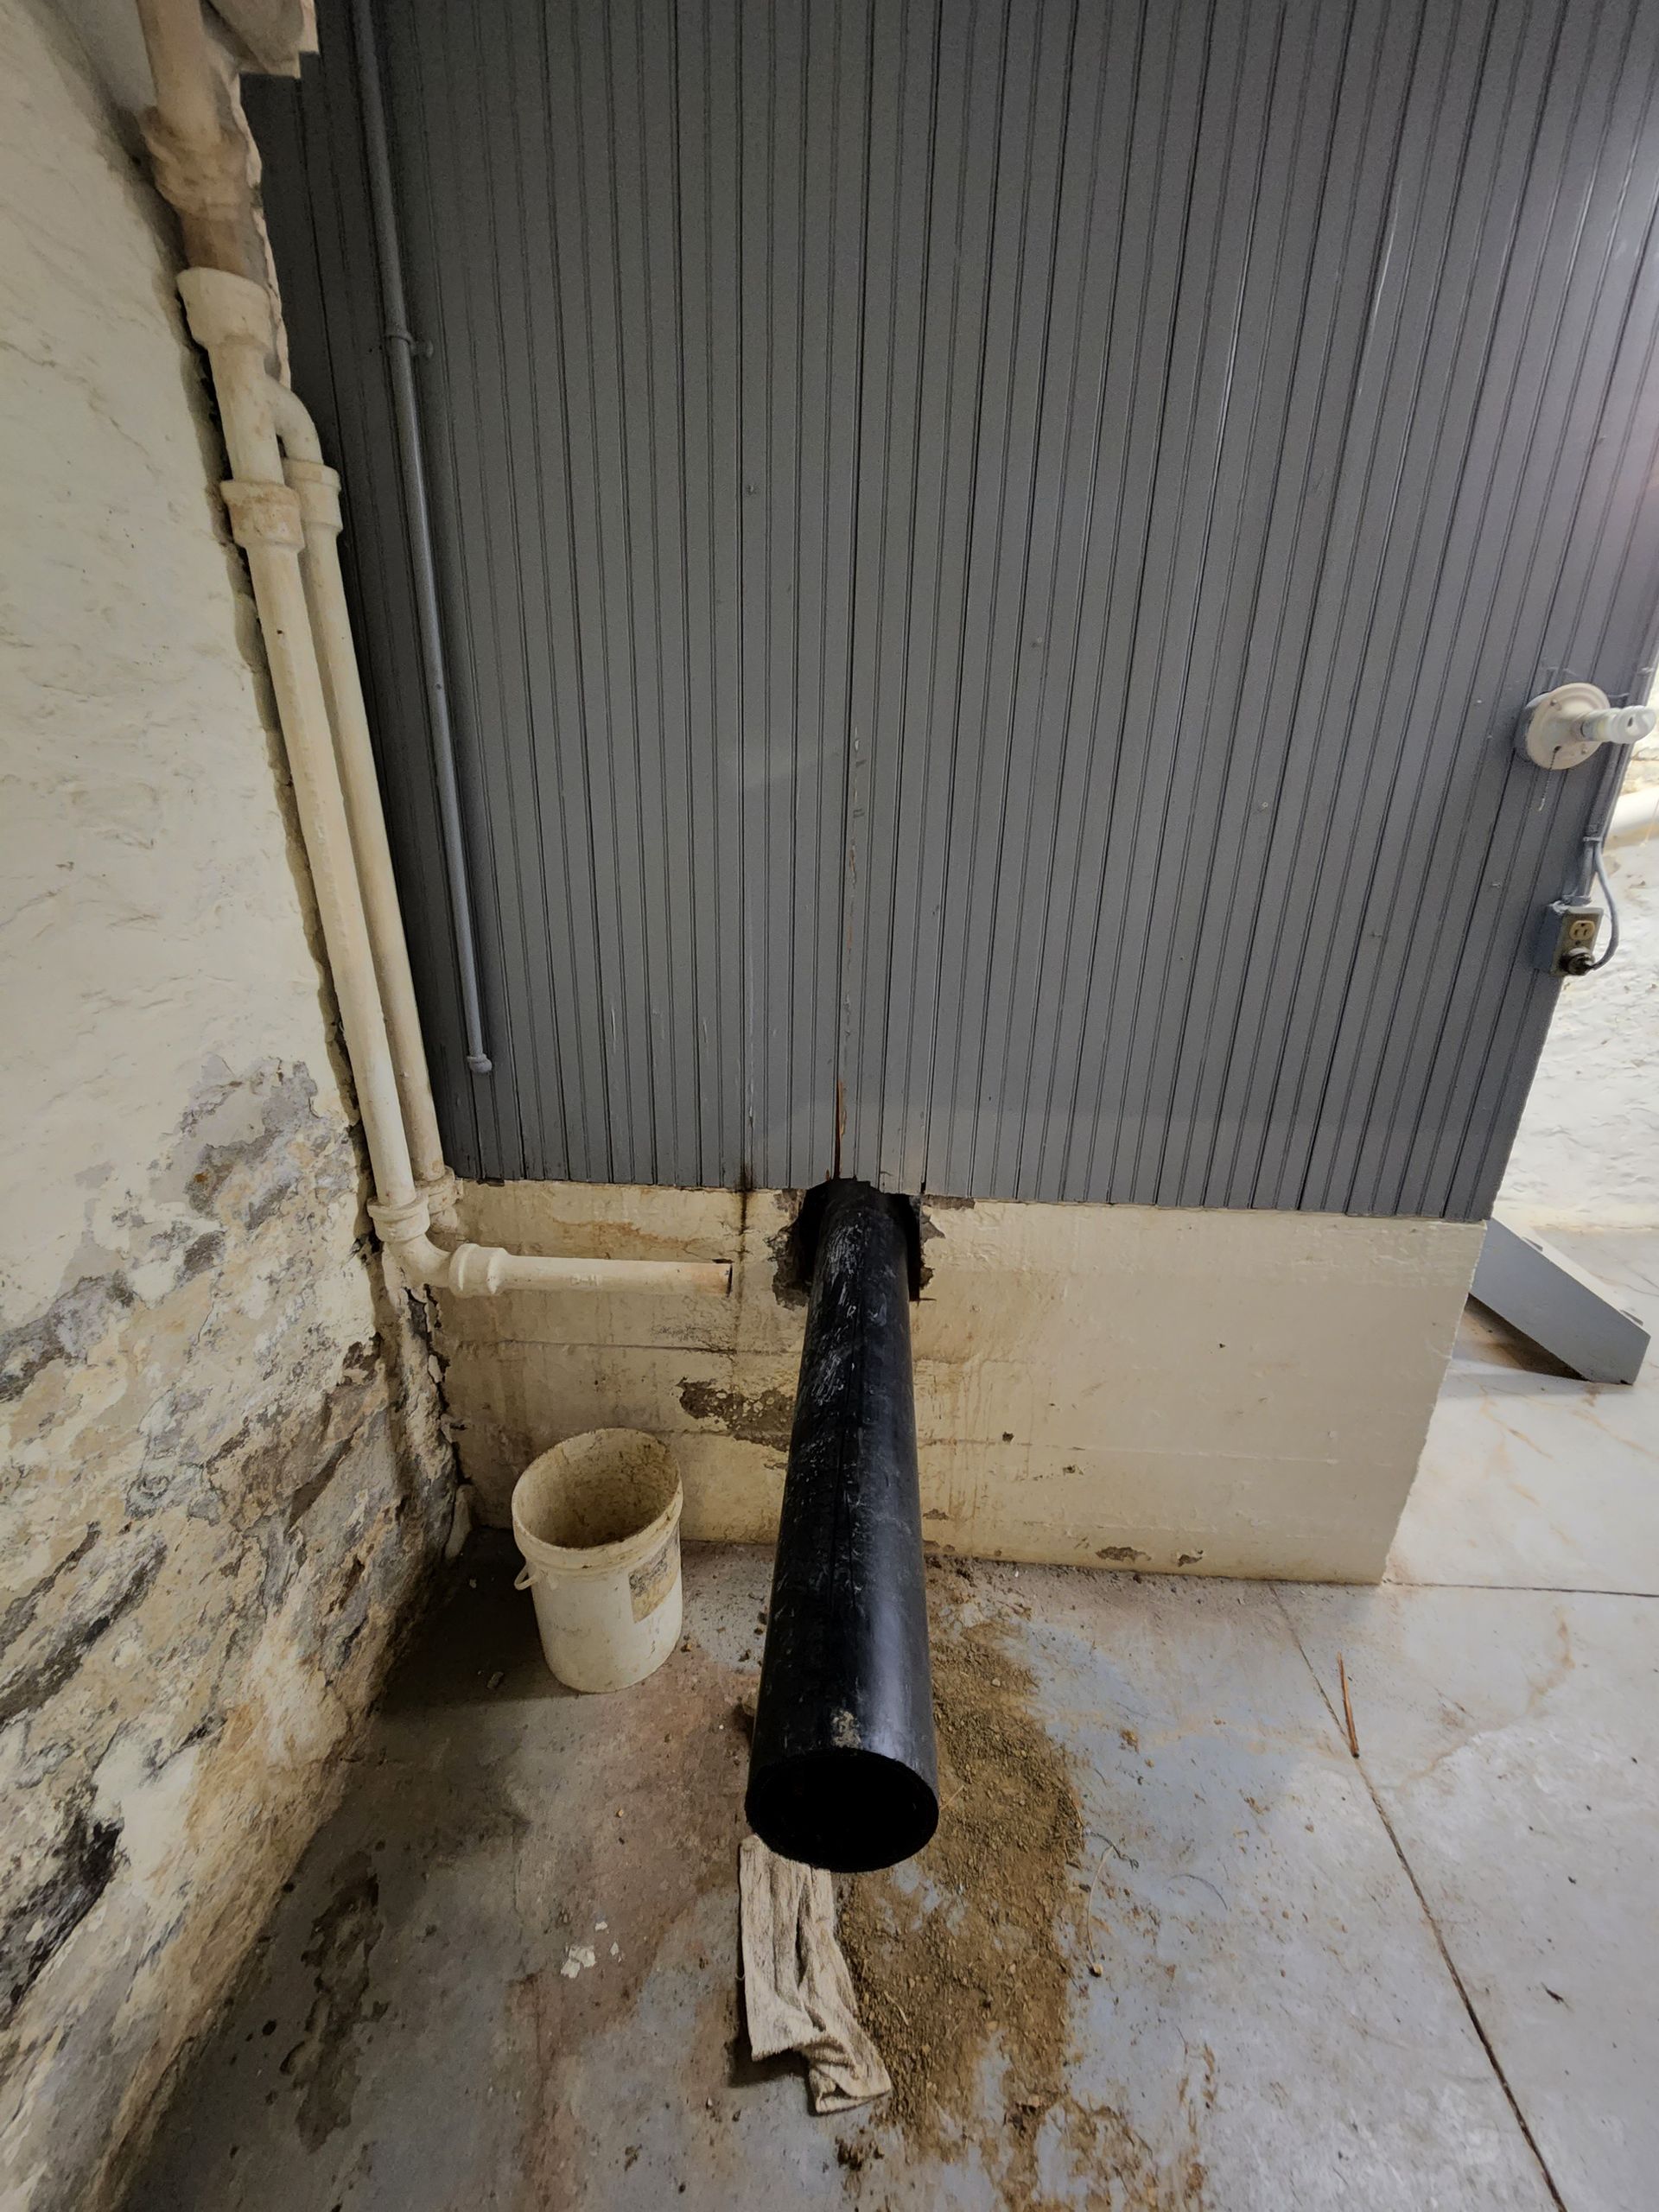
1541 1292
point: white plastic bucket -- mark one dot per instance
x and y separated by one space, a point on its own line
598 1521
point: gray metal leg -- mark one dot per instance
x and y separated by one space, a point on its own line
1545 1295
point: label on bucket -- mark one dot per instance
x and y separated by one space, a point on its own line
651 1580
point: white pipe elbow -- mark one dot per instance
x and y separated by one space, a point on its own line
297 431
487 1270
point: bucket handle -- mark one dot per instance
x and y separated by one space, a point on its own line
524 1577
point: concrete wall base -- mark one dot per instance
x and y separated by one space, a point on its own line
1183 1392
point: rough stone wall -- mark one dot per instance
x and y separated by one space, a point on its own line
223 1474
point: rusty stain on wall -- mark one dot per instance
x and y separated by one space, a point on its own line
765 1418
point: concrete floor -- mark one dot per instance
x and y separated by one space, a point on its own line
1420 1979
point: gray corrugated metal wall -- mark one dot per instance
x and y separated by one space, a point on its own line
992 554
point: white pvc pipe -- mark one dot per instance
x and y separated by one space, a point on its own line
230 317
198 144
324 730
484 1270
318 488
181 69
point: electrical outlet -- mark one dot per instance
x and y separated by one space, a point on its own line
1567 936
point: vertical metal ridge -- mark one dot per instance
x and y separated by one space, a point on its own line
530 979
1206 440
991 555
1042 212
1422 255
751 598
590 1071
1384 106
541 978
1414 800
1299 841
470 677
901 1158
867 891
636 141
1039 1131
1270 233
1494 1026
1226 930
962 808
546 975
638 1007
1096 1113
575 298
1090 891
696 1146
1500 770
1411 769
975 207
1007 1102
1463 842
1442 1065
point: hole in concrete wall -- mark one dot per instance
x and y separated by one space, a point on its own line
795 1247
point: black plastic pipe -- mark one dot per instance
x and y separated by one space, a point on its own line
843 1773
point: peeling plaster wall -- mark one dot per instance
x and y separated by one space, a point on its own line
1213 1392
223 1472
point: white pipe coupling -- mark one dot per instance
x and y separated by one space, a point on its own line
400 1221
264 514
317 488
442 1196
223 309
475 1270
487 1270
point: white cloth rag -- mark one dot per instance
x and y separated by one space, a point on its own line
797 1990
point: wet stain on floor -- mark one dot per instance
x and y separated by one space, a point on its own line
322 2064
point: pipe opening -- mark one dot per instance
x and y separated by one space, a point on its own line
849 1812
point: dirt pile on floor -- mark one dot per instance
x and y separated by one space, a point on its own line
985 1970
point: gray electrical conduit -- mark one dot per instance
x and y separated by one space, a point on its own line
1592 863
400 348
